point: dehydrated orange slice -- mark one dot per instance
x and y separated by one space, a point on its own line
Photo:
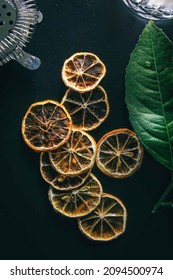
57 180
107 221
78 202
76 155
83 71
46 126
119 153
87 110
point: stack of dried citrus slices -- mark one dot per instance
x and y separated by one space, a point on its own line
68 152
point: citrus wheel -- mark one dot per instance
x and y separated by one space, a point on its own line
76 156
87 110
107 221
119 153
46 126
55 179
83 71
78 202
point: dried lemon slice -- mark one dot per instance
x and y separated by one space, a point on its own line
57 180
107 221
78 202
76 156
46 126
83 71
87 110
119 153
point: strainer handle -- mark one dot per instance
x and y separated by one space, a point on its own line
29 61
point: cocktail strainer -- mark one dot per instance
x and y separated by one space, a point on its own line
17 22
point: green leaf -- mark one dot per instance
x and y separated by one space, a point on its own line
149 93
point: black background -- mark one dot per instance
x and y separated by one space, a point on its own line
29 229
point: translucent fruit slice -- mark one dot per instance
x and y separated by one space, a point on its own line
83 71
78 202
119 153
76 156
107 221
87 110
58 181
46 126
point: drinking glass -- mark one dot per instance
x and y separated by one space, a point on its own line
152 9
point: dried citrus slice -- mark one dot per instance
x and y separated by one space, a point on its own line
119 153
46 126
83 71
58 181
87 110
78 202
76 155
107 221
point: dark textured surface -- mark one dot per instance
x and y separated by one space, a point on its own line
29 227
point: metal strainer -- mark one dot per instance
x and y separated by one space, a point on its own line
17 22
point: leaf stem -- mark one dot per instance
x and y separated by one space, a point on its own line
167 204
161 201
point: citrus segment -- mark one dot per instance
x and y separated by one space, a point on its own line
46 125
87 110
83 71
107 221
55 179
119 153
78 202
76 156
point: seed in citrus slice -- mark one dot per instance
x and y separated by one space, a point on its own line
46 126
107 221
83 71
58 181
78 202
119 153
87 110
76 156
